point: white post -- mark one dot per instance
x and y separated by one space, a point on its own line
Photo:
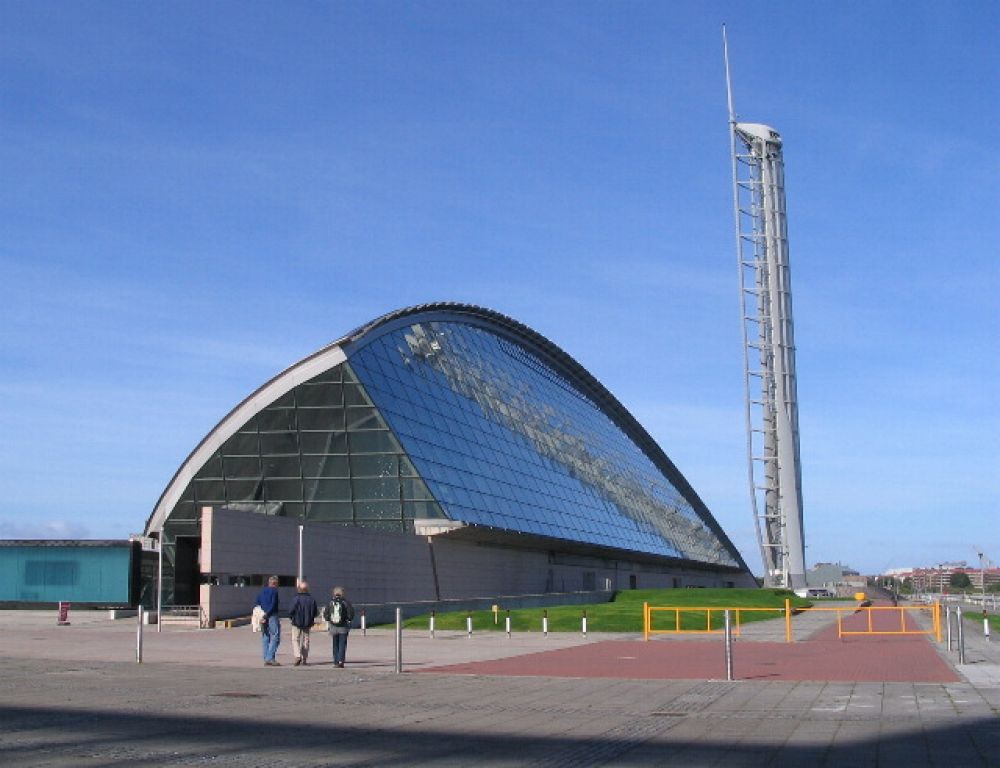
506 623
138 637
364 624
468 624
584 623
545 623
399 640
432 625
300 551
961 635
159 587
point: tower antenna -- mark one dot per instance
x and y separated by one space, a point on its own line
729 80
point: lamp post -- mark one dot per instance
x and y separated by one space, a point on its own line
300 551
982 578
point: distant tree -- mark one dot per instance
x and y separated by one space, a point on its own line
959 580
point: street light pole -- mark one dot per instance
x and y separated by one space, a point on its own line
982 577
300 552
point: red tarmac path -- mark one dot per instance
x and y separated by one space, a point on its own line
823 657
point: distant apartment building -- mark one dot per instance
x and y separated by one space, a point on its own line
938 579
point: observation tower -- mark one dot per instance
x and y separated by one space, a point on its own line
772 421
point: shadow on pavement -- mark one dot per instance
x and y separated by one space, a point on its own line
61 736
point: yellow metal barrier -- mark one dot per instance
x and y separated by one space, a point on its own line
678 611
902 611
888 610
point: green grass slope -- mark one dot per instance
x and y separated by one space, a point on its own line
624 613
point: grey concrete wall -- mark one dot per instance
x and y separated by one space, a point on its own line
381 567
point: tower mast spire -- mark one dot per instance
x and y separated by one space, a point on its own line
773 466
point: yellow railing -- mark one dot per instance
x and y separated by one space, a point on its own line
889 612
679 611
868 626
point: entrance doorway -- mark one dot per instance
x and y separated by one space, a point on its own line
187 571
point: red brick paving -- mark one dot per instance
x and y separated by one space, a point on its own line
823 657
869 659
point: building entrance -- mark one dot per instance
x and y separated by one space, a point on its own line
187 571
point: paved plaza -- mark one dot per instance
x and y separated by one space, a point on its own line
75 696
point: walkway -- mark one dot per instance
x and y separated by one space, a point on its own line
73 697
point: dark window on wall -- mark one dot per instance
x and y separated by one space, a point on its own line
324 442
325 466
282 420
279 443
319 395
241 444
330 511
327 490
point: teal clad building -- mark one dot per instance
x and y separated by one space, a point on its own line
52 571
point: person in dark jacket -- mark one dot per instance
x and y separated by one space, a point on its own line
339 614
270 627
303 615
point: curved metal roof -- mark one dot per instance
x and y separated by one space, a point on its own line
337 352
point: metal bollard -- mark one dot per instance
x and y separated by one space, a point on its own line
729 646
507 624
364 624
138 637
961 635
986 625
947 622
399 640
583 623
468 624
545 623
432 625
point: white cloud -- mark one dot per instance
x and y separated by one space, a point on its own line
43 529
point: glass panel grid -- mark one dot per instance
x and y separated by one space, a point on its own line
502 439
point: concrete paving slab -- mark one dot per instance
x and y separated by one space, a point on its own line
73 696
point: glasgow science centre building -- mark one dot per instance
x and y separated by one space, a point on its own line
440 452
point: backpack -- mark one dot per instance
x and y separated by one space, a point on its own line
336 612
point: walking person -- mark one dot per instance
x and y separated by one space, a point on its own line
270 626
303 615
339 613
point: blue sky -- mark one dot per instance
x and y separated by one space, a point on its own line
197 195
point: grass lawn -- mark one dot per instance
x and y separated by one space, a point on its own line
977 617
624 613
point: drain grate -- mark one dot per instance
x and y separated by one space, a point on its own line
239 695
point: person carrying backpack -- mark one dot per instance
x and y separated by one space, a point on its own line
339 613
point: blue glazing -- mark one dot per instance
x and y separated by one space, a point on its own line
502 440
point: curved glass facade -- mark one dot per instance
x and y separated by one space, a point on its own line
506 441
448 412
